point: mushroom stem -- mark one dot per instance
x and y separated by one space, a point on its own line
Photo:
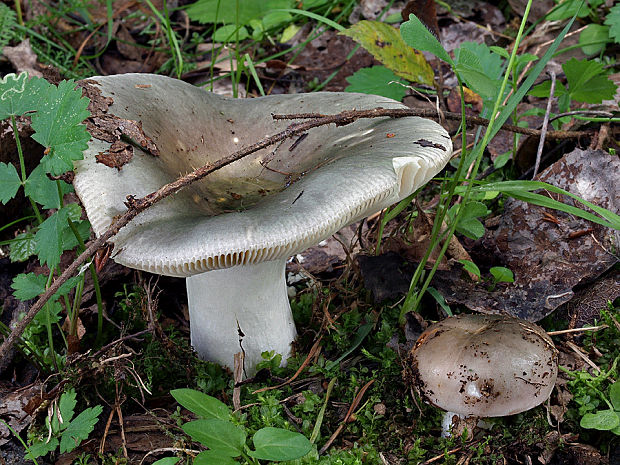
245 309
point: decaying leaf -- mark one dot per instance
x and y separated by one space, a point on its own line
386 45
550 252
110 128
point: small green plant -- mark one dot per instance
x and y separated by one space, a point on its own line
216 429
62 429
56 114
609 419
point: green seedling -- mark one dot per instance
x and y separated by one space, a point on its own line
62 429
227 441
56 113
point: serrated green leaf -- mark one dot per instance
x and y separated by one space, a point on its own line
613 21
386 44
27 286
603 420
43 190
468 224
22 247
17 95
587 81
66 405
7 24
79 428
416 35
502 274
41 448
594 38
57 125
216 434
217 11
377 80
213 457
9 182
278 444
49 237
69 240
201 404
542 90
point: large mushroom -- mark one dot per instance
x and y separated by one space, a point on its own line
231 233
475 366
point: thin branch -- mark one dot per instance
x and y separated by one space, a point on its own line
136 206
427 113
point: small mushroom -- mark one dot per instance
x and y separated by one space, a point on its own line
476 366
231 233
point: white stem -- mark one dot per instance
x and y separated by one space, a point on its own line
242 308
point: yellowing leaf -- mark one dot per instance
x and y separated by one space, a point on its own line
386 45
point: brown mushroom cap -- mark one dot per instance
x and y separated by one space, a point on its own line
485 365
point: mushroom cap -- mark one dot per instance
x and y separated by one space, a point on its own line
269 205
484 365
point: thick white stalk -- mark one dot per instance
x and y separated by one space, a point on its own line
242 308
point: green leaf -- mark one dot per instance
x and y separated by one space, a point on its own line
613 21
468 224
568 8
218 11
49 237
17 95
9 182
216 434
201 404
41 448
470 266
439 299
279 444
66 405
79 428
614 395
587 81
30 285
377 81
43 190
7 25
386 44
57 125
22 247
230 33
68 238
594 38
168 461
603 420
416 35
213 457
502 274
542 90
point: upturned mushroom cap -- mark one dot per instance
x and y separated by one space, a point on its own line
270 205
485 365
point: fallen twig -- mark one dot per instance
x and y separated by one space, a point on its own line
136 206
426 113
